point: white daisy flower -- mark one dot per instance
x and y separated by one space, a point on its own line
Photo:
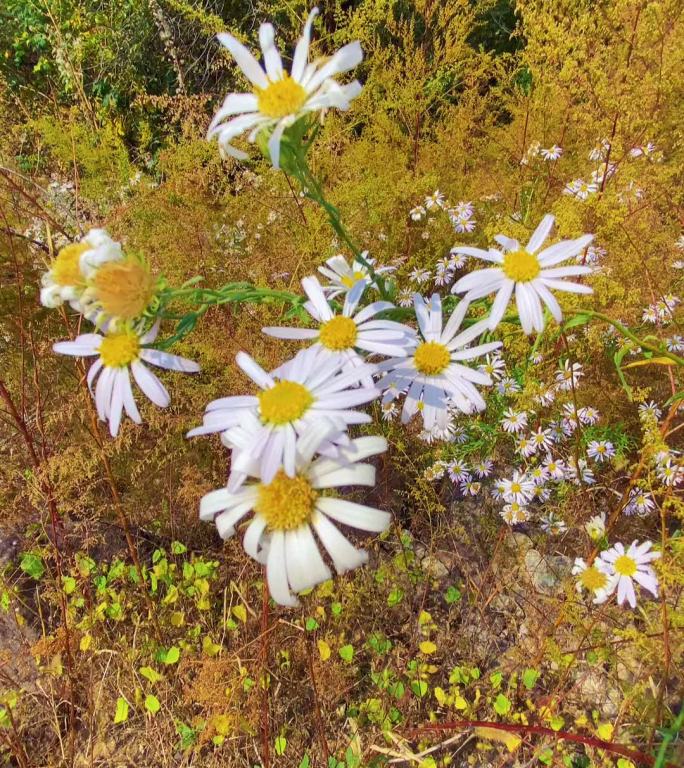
628 566
519 488
280 99
435 200
514 513
498 489
581 189
405 298
121 353
538 475
514 421
588 415
389 411
470 487
600 151
462 209
541 493
600 450
594 578
596 527
344 276
343 335
573 474
456 260
508 386
288 509
546 398
525 447
463 224
528 271
553 153
265 427
417 213
555 468
494 366
675 343
650 408
639 503
483 468
568 376
420 276
65 279
434 374
458 471
553 525
542 439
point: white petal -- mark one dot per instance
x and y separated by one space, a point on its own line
274 143
298 334
355 515
276 571
150 384
344 555
103 393
253 538
274 65
234 104
348 57
272 456
84 345
566 285
116 406
244 59
305 566
540 234
255 372
566 271
313 290
168 361
301 54
500 303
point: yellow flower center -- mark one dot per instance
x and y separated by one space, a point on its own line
66 268
281 98
593 579
338 333
286 502
521 266
120 349
516 487
123 289
625 565
431 358
285 402
349 281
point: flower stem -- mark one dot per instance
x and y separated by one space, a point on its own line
314 191
642 343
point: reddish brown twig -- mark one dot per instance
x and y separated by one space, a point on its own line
634 755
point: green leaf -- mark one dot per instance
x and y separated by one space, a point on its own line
32 565
311 624
452 595
502 705
530 677
395 597
576 320
280 745
347 653
121 714
152 704
151 674
419 687
68 584
177 548
172 655
305 763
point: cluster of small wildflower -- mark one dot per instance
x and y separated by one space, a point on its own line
290 436
661 311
